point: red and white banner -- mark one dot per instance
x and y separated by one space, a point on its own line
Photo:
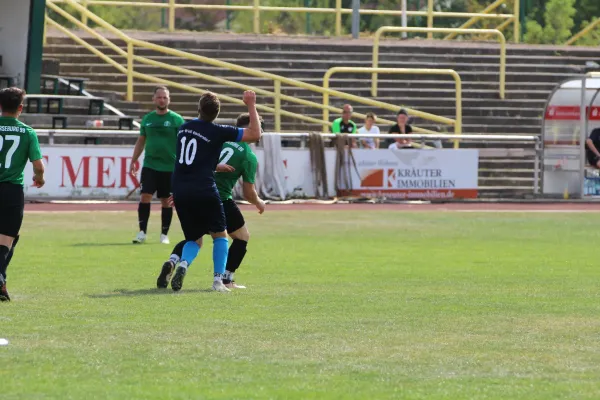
415 174
102 172
570 113
84 172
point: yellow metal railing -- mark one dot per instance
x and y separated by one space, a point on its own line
338 10
583 32
388 29
130 72
416 71
488 11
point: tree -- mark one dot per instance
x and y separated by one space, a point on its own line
592 38
129 17
558 22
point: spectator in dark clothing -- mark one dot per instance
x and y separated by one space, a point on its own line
592 148
402 127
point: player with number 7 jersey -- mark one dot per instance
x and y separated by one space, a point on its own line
199 206
18 144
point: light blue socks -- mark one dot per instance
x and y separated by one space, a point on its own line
220 252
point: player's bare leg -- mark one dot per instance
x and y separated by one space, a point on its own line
143 217
6 245
237 251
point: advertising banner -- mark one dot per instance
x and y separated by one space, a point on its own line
415 174
85 172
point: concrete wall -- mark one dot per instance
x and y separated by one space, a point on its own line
14 37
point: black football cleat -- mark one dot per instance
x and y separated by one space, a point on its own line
177 281
165 275
3 292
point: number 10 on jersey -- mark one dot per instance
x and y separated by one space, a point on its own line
188 153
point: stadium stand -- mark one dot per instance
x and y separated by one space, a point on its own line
531 75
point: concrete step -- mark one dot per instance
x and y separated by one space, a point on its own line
386 55
426 88
74 121
300 43
99 70
338 83
322 65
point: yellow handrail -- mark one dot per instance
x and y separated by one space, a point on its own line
386 29
458 86
193 57
170 83
257 9
487 11
583 32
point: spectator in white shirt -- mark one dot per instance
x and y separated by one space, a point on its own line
370 128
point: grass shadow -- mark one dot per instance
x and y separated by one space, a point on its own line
144 292
101 244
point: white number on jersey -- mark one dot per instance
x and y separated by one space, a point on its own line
226 154
188 154
11 152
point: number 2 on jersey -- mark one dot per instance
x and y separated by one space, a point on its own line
9 154
226 154
188 153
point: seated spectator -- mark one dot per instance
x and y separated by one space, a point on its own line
402 127
592 148
344 124
370 128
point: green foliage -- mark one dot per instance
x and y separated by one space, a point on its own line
534 32
558 22
128 17
592 38
288 22
586 11
548 21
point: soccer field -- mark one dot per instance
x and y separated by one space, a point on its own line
340 305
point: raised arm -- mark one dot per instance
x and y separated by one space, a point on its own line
252 132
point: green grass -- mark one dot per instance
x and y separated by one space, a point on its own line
340 305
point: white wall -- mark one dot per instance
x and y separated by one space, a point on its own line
14 34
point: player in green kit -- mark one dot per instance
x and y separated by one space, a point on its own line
18 144
158 137
237 161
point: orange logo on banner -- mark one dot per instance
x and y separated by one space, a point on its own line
372 178
391 178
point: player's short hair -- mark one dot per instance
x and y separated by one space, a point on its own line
209 107
11 98
156 89
243 121
371 115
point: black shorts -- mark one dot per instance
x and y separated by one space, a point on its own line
12 204
200 216
592 158
158 182
233 216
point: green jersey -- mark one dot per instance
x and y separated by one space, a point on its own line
339 126
241 157
160 132
18 143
